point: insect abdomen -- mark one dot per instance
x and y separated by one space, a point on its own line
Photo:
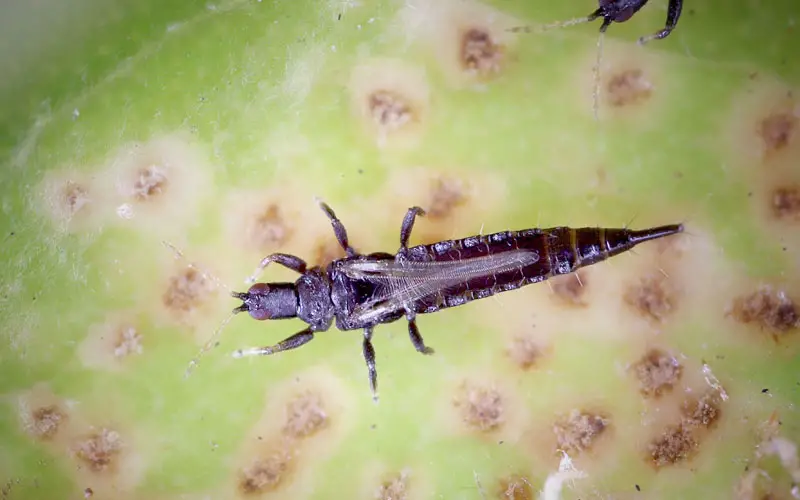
569 249
560 250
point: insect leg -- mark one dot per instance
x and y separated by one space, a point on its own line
338 229
293 342
369 357
673 14
413 333
289 261
408 225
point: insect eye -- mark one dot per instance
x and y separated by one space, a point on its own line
259 313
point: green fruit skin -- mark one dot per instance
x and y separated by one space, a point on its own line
261 89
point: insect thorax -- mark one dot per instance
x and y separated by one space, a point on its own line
314 300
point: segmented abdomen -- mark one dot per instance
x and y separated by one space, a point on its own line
560 250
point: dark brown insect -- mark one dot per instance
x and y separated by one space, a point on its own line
614 11
361 291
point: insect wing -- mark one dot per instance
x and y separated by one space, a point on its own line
401 283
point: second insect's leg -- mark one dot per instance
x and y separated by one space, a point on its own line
293 342
414 335
673 14
369 357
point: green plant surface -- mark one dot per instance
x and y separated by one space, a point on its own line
667 372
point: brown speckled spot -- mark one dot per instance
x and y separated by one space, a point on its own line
579 430
657 372
480 53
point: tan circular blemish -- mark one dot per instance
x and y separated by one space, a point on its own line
704 411
109 344
526 351
390 110
763 125
73 197
163 180
514 487
480 53
152 182
262 222
481 407
305 416
73 201
651 297
470 39
99 450
778 130
786 203
101 453
577 432
628 88
265 474
45 421
768 307
41 413
699 413
446 194
658 372
395 488
392 98
268 229
676 444
631 82
186 291
481 404
570 289
382 481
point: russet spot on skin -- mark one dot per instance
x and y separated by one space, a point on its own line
763 127
391 98
102 450
73 200
110 344
469 39
631 82
165 180
305 419
380 480
481 404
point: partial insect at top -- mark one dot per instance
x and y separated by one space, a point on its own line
613 11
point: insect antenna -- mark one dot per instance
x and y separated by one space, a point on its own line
212 341
555 25
478 484
596 73
205 274
578 20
